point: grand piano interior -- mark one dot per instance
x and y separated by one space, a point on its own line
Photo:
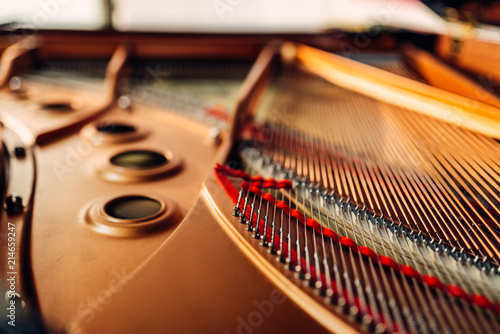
250 167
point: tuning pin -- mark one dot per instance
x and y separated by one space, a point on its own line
263 241
367 322
354 313
280 257
263 238
256 233
249 227
308 281
318 285
380 329
419 238
242 219
330 297
236 211
236 208
341 304
485 266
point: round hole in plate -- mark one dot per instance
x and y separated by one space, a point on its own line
132 207
131 215
114 131
115 128
56 105
139 159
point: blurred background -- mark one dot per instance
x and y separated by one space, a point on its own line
223 15
445 17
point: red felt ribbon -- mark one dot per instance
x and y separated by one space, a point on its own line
434 282
270 183
270 198
282 205
286 184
